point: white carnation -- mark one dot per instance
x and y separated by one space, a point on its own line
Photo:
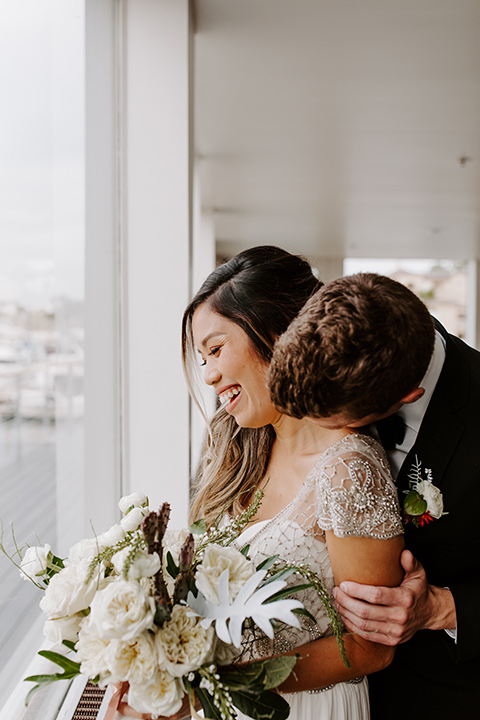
57 630
432 496
69 592
136 499
183 644
162 695
133 519
111 536
122 610
84 549
144 564
34 562
215 561
92 653
134 661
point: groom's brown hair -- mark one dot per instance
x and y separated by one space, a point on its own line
358 346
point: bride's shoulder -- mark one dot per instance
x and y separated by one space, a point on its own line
354 442
352 447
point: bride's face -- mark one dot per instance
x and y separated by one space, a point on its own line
233 368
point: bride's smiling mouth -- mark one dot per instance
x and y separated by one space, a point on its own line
229 397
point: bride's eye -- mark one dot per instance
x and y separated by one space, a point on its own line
214 351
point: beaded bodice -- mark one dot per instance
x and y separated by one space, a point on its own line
350 491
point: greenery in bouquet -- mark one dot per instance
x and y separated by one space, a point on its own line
165 611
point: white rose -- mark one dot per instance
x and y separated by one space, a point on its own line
225 654
133 519
69 592
111 536
34 562
144 564
182 643
133 661
215 561
57 630
136 499
432 496
92 653
162 695
122 610
88 549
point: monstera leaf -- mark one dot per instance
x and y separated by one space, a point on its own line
249 603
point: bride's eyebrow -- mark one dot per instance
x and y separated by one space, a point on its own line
207 339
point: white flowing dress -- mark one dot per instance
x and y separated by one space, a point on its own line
349 490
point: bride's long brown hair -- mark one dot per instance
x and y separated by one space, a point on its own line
261 290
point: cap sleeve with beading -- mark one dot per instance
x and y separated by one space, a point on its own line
355 491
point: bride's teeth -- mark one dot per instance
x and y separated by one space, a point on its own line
228 395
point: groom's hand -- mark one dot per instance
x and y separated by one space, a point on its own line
392 615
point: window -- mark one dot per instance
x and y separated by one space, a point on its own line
41 300
441 284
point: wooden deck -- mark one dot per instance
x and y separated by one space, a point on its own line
28 501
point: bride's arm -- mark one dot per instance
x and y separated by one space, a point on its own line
320 664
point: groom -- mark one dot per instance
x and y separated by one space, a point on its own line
363 348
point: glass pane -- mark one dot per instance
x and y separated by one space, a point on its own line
441 284
41 301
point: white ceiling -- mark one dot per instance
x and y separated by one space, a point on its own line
336 127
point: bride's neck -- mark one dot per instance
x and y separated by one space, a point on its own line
295 436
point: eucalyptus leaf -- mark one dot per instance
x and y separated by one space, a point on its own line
172 567
210 710
198 528
249 677
278 669
69 644
286 592
280 575
245 550
267 705
268 563
305 612
61 660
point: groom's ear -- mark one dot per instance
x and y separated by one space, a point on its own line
413 396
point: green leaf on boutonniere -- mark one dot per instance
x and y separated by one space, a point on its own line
414 504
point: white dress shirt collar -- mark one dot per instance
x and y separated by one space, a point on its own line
412 413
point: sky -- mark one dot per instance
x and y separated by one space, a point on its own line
41 151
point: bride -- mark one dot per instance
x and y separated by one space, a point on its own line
329 500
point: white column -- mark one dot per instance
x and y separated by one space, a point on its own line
473 304
102 441
157 235
204 261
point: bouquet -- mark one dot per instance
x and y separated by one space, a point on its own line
161 614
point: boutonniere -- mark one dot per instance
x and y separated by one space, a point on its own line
424 501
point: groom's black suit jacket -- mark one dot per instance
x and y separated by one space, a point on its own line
431 676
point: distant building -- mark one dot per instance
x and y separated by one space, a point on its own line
444 292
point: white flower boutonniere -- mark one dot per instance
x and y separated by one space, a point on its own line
424 501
